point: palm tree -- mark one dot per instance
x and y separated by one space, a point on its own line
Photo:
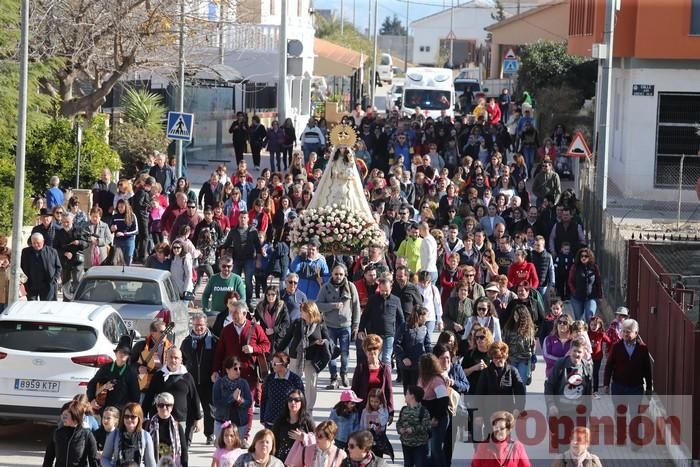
144 109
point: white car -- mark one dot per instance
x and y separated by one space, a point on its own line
49 351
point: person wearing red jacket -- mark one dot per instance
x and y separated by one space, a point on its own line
494 111
522 270
501 450
450 277
246 341
597 335
172 212
367 285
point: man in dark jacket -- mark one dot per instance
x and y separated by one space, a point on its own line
163 173
244 245
544 266
406 291
188 218
384 317
175 379
41 265
70 243
141 205
239 134
46 226
198 356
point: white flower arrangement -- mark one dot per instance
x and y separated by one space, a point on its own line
340 231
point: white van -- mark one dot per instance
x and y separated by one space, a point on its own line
386 68
431 89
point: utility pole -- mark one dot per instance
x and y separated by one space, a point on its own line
452 34
369 19
282 80
342 18
181 84
605 127
353 14
374 57
18 211
405 46
222 18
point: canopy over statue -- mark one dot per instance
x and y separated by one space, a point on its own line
339 214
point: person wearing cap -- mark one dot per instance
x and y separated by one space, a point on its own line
46 226
346 415
118 378
614 331
312 269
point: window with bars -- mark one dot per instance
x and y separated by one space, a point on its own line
676 135
581 15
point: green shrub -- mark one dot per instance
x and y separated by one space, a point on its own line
52 150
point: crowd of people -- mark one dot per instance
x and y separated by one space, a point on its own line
483 246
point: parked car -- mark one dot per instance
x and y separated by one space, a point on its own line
469 92
139 294
49 351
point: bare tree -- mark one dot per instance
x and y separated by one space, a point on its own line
98 41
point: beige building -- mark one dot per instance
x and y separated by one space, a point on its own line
549 22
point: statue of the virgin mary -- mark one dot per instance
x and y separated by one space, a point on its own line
340 183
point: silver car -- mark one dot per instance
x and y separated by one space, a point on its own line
139 294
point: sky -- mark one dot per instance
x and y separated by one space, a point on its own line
416 8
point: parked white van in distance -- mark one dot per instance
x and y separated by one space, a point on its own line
386 68
430 89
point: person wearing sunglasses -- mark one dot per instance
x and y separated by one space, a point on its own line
219 285
231 398
276 387
130 442
585 285
360 451
271 312
168 435
293 424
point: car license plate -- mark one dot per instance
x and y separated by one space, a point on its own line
129 323
39 385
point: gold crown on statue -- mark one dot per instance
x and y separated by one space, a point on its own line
343 136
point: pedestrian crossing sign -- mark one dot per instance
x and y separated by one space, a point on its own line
510 66
180 126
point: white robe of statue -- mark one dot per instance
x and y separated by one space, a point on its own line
340 184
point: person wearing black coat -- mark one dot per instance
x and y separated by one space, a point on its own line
71 445
211 191
257 135
383 317
239 134
122 377
198 356
407 292
412 341
310 348
42 266
528 297
273 310
501 382
141 205
70 243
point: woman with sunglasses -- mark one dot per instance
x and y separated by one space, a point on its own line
322 452
485 315
168 435
556 345
360 451
130 442
231 398
181 270
276 387
293 424
585 285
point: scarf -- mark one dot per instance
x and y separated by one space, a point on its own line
167 373
130 447
306 332
343 288
366 461
579 461
207 337
174 436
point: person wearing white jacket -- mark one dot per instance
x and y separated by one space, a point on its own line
431 301
428 252
312 139
181 268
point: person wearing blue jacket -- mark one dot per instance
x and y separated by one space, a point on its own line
312 269
412 341
231 398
